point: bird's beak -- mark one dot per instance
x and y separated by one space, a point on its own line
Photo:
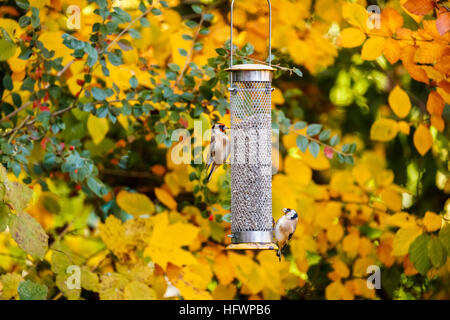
285 210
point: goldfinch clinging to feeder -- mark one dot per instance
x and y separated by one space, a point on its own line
285 228
219 149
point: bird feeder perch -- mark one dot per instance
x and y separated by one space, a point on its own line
251 151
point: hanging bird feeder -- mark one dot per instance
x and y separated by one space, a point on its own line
251 151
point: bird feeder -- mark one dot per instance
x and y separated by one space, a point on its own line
251 151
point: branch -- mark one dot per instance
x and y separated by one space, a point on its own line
191 51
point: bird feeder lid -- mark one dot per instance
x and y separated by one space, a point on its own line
250 67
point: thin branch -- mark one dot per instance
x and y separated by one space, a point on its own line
191 51
128 27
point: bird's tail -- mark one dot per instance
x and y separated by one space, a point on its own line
213 168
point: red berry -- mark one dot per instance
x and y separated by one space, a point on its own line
78 187
36 103
71 148
76 171
38 73
46 97
210 218
80 82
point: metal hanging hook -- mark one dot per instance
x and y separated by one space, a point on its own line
231 33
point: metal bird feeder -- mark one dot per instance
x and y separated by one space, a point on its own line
251 151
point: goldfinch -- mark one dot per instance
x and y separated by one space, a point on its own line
219 149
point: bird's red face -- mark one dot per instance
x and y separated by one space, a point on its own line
222 127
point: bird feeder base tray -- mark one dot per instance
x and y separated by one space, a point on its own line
252 246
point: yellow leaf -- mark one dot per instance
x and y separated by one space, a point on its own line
403 239
403 127
223 269
98 128
136 290
136 204
392 199
351 37
350 244
422 139
402 220
192 281
297 170
10 282
166 198
335 233
167 239
432 221
112 286
247 271
399 102
224 292
355 14
372 48
340 270
384 130
337 291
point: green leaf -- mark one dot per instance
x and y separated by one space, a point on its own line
4 216
324 135
174 67
227 217
221 52
297 72
314 149
302 143
300 125
7 82
98 93
29 290
7 49
156 11
133 82
134 34
313 129
23 4
436 252
418 253
346 148
444 236
35 21
196 8
28 234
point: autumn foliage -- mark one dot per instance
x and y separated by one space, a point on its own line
87 177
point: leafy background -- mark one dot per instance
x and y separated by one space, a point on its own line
87 177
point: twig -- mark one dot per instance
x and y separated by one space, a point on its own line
128 27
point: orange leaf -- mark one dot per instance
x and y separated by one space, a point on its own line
391 50
435 103
437 122
166 198
391 19
443 23
423 139
419 7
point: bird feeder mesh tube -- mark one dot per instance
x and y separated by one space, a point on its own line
251 157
